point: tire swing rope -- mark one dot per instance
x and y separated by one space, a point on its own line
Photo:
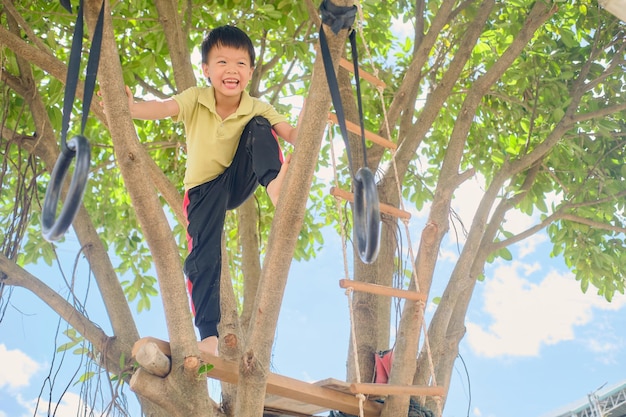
78 146
366 213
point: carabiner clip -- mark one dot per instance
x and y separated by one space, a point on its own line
366 215
53 229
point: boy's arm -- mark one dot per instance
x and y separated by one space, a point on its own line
152 109
288 132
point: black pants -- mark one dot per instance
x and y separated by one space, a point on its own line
257 160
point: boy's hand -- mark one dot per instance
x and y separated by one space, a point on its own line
129 95
131 99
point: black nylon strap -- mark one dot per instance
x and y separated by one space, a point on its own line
73 69
366 212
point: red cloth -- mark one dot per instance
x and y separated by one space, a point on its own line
383 361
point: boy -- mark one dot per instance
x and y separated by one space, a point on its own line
231 148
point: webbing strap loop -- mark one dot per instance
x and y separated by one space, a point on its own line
337 17
79 145
366 212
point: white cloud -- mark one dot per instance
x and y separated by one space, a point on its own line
529 245
526 316
601 346
16 368
604 341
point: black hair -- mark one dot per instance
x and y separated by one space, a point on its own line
228 36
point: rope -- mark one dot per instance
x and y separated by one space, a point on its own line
357 370
349 290
420 305
344 243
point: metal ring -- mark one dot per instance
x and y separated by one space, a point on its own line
366 215
54 230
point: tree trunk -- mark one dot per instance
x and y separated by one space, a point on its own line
187 395
254 365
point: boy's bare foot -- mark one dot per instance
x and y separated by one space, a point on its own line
208 345
273 188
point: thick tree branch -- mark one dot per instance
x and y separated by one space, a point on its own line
132 163
13 275
176 40
460 281
283 236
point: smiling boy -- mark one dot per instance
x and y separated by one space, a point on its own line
231 148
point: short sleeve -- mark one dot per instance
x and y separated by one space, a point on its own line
187 101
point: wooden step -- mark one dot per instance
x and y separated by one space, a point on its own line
288 406
384 208
371 136
381 290
386 389
363 74
294 389
286 395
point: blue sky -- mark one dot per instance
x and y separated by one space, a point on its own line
534 344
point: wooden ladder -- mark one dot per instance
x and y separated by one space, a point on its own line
370 389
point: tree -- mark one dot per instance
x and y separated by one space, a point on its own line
525 95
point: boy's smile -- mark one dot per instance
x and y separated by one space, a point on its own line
229 70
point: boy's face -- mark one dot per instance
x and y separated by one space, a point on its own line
228 69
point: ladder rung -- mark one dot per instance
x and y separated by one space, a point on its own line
386 389
356 129
384 208
363 74
381 290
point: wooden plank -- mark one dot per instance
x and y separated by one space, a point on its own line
356 129
384 208
363 74
296 408
381 290
311 394
295 389
288 406
386 389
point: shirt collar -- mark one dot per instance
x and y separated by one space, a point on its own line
207 99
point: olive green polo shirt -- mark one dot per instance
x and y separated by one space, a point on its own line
211 141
